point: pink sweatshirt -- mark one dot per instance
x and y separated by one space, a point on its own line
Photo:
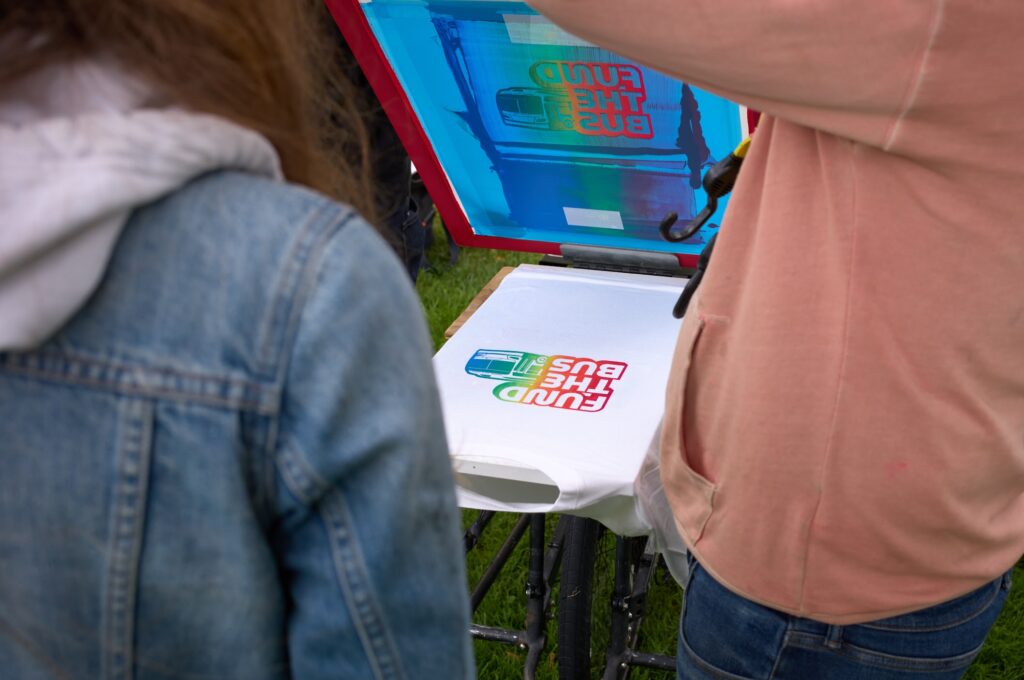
844 434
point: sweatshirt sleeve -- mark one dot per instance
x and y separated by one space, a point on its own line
848 68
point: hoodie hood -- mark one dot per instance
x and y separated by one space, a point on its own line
80 149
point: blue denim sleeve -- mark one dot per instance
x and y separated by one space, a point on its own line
367 531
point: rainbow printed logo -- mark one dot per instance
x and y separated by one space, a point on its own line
559 381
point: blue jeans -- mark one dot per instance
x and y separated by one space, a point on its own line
724 636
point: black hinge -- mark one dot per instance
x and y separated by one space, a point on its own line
619 260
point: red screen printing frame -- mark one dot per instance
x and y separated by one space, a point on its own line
355 28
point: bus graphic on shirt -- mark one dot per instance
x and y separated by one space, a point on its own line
497 364
555 381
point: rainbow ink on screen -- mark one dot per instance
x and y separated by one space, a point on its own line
596 99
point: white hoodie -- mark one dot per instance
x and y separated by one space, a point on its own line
81 146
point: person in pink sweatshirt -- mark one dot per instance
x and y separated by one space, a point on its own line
843 446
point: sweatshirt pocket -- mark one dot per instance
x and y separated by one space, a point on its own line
690 494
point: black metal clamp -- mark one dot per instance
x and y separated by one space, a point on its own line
718 181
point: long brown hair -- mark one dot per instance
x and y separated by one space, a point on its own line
269 65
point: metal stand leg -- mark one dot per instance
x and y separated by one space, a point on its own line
628 609
620 629
498 563
542 567
476 530
537 591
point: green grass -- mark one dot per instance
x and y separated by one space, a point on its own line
1002 658
505 607
445 291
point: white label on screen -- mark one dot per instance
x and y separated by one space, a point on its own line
598 219
527 29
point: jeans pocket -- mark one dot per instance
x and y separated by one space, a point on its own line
725 636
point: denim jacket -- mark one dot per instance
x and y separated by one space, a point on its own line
231 462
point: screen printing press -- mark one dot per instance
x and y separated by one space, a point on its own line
530 139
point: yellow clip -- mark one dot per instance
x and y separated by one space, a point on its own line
741 150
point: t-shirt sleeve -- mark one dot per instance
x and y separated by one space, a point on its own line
848 68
